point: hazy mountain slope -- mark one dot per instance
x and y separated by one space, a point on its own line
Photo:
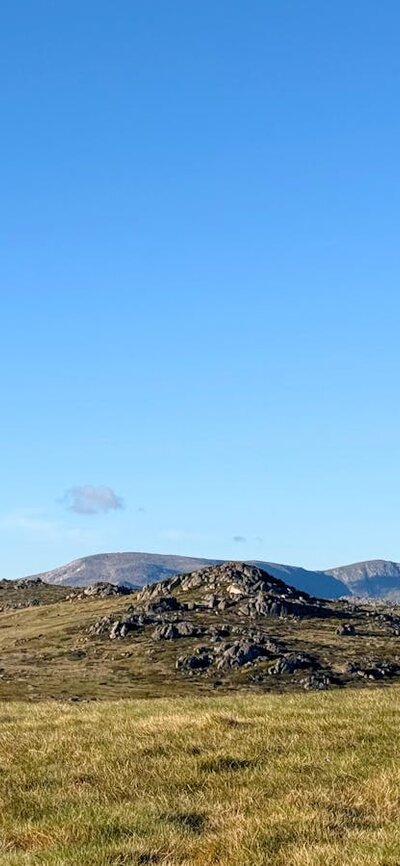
314 582
140 569
376 578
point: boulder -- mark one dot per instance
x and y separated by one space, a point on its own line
346 630
164 604
174 630
317 682
199 660
119 628
104 590
291 662
240 653
122 627
375 671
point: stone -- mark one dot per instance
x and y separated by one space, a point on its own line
239 653
291 662
192 581
223 604
163 605
104 590
219 632
121 628
234 589
346 629
211 602
199 660
174 630
316 682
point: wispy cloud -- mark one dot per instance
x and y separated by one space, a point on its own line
178 535
29 521
35 524
88 499
240 539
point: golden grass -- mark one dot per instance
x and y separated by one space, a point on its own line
286 780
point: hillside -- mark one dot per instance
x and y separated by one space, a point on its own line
29 592
139 569
225 627
375 578
136 569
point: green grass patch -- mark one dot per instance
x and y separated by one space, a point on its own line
247 780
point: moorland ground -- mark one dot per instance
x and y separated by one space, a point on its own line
308 779
52 646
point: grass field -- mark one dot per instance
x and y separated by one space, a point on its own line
289 780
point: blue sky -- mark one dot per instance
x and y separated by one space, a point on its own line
199 267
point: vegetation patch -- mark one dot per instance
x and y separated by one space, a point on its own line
242 780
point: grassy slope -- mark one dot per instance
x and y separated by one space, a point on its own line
45 652
286 780
14 593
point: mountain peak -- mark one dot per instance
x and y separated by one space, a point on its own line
376 578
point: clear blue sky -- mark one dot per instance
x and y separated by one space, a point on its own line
200 261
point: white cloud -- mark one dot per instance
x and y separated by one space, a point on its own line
88 499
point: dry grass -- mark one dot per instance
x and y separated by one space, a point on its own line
286 780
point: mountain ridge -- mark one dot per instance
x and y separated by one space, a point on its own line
139 569
371 578
378 578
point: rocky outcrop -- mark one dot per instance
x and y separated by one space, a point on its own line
317 682
291 662
374 670
239 625
164 604
28 582
112 628
201 659
100 590
237 586
240 653
175 630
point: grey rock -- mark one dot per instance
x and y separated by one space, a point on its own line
173 631
202 658
163 604
239 653
211 602
121 628
224 604
346 629
291 662
317 682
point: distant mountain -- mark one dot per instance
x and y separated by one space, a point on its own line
375 578
133 569
139 569
314 582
